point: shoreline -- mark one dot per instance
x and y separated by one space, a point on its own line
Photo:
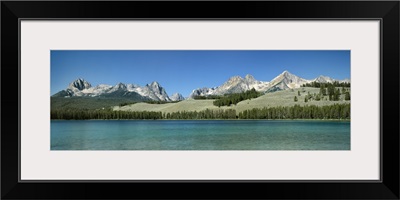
344 120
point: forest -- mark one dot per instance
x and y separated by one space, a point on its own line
334 84
336 111
230 99
331 90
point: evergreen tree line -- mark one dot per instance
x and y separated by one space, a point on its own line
126 103
236 98
149 102
318 85
207 97
104 114
109 114
160 102
334 93
330 90
336 111
206 114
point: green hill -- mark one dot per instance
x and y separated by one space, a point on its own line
274 99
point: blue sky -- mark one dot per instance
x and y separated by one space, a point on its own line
182 70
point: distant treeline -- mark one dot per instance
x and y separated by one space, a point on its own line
328 89
160 102
127 103
230 99
109 114
336 111
325 85
149 102
207 97
103 114
206 114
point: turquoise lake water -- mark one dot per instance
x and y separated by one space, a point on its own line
200 135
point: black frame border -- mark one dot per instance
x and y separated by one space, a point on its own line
386 11
193 181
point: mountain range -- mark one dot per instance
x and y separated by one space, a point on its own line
237 84
156 92
153 91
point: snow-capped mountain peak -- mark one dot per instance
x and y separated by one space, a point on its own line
120 86
249 78
155 84
80 87
177 97
154 91
235 84
323 79
286 80
79 84
287 74
234 79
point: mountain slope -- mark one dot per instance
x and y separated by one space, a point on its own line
82 88
237 84
284 81
176 97
155 92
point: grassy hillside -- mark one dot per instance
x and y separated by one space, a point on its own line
279 98
285 98
186 105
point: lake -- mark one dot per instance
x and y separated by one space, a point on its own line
200 135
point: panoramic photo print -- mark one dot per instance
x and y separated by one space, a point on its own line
200 100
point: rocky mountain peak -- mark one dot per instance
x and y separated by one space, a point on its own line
155 84
120 86
80 87
156 87
79 84
249 77
235 79
176 97
287 74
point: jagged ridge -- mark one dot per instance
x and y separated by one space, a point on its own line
237 84
156 92
82 88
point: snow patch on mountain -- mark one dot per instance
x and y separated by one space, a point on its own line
156 92
237 84
80 87
324 79
177 97
286 80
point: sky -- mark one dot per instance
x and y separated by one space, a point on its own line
185 70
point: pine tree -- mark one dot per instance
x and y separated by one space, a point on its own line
336 95
347 96
295 98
